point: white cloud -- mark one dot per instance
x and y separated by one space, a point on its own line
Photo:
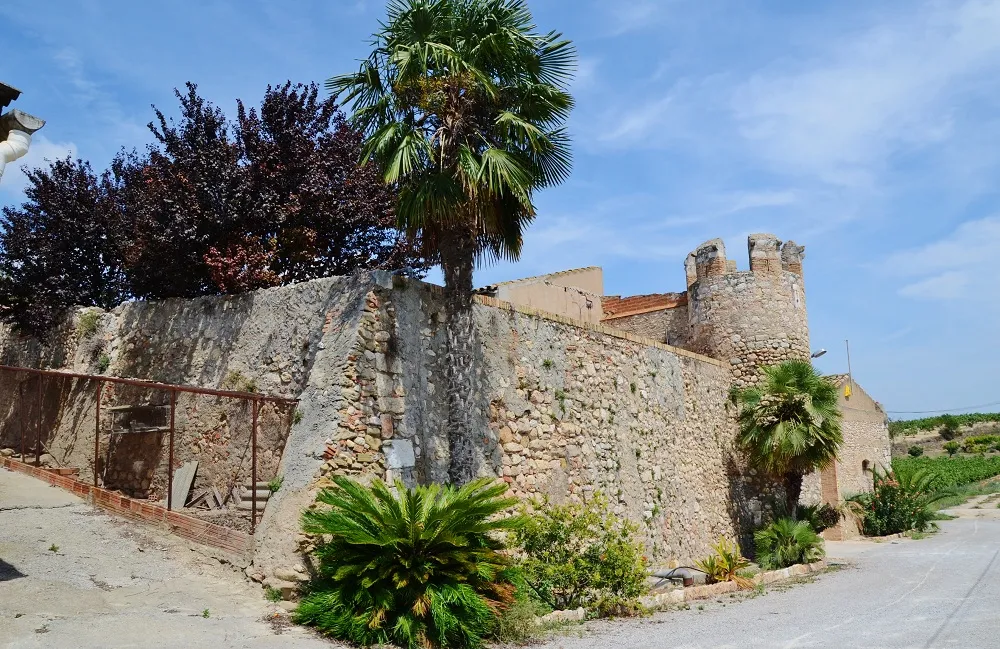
630 16
39 153
843 114
959 265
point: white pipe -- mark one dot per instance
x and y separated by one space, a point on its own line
18 127
14 147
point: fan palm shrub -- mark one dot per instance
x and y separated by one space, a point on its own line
464 104
789 425
419 567
786 542
898 502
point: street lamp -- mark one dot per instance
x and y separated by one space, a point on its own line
817 354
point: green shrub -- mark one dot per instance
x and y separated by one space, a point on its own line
726 564
272 594
518 623
819 517
952 447
898 502
916 451
419 567
103 363
950 471
786 542
949 427
87 322
275 483
582 555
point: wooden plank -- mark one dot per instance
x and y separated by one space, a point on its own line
219 502
183 480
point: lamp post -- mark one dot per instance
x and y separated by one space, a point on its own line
16 128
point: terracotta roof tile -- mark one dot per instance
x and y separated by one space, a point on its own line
619 307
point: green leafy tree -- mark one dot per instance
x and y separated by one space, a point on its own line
463 104
952 447
789 425
419 567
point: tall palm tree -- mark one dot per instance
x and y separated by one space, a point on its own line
789 425
463 104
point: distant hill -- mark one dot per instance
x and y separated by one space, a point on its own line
913 426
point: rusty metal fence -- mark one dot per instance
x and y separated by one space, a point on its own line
45 412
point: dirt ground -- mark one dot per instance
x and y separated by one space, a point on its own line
71 576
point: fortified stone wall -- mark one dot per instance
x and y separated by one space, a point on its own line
669 326
751 319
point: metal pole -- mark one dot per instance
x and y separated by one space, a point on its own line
38 426
253 470
170 455
850 377
97 430
20 387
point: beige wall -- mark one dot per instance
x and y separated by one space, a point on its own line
572 294
866 439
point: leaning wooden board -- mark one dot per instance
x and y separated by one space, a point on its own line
183 481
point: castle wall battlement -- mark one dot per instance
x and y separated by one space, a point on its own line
748 319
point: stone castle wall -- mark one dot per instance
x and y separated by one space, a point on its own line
669 326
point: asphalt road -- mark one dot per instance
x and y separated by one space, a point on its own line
941 591
73 577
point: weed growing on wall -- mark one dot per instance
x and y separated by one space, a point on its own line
87 323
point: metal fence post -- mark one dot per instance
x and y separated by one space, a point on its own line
38 426
170 453
97 431
253 470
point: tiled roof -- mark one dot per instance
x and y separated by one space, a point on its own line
837 379
619 307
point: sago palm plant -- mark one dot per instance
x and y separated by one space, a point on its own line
464 105
786 542
417 567
789 425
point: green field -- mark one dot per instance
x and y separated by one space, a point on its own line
953 471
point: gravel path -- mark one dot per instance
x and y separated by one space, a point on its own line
72 577
942 591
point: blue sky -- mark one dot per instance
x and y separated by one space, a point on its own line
867 132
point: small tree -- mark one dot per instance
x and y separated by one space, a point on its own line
916 451
952 447
789 425
949 427
58 249
464 104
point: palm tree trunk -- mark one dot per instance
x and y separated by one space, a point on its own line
793 490
458 255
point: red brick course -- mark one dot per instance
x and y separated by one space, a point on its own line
182 525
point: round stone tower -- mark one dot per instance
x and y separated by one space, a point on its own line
748 319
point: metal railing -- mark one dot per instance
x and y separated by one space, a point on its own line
173 390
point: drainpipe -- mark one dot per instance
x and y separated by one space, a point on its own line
16 128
